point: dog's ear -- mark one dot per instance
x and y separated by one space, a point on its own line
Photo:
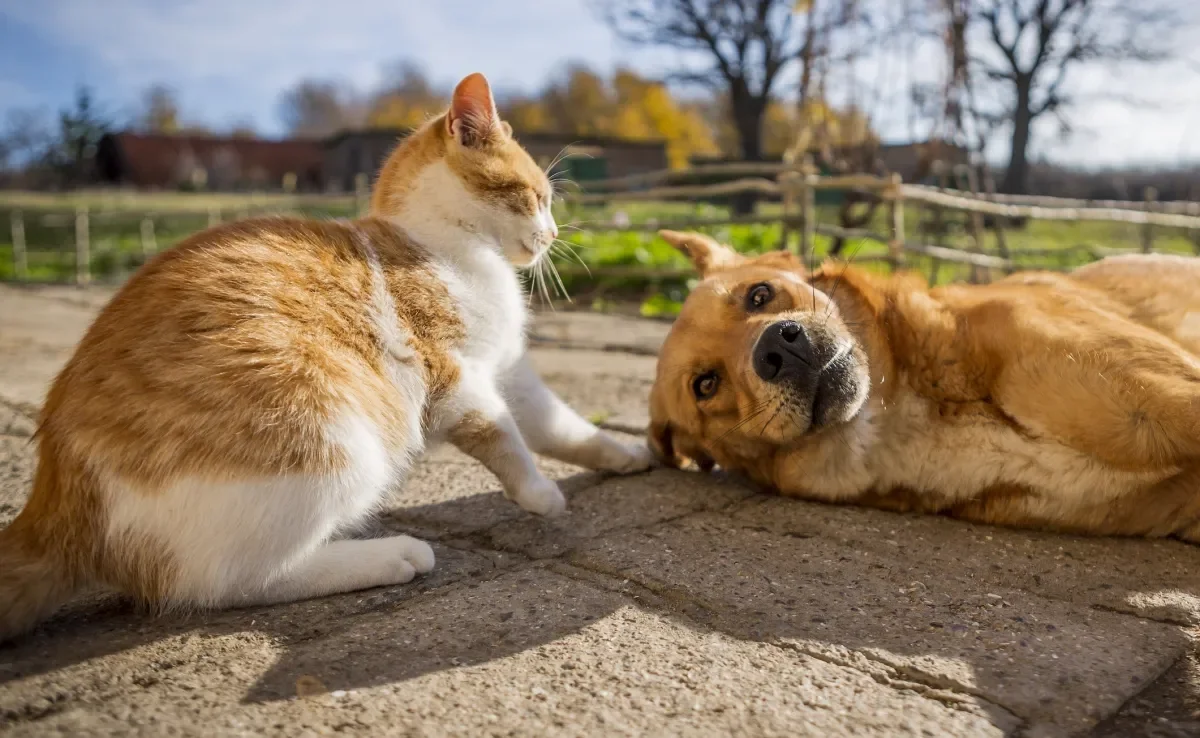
660 442
705 253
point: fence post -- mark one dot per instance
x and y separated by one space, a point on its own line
148 242
997 221
808 240
962 176
785 180
939 223
83 253
896 245
20 261
361 194
1151 196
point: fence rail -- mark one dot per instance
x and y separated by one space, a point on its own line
793 184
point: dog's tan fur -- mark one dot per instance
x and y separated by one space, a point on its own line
1062 402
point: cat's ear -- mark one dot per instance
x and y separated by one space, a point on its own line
472 119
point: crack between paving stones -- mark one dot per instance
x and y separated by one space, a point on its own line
952 694
1040 594
1163 620
28 410
949 693
1137 695
672 594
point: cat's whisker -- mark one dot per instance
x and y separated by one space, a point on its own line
546 296
562 154
567 250
558 278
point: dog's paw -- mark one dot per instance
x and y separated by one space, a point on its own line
541 497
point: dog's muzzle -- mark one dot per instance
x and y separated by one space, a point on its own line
784 353
815 373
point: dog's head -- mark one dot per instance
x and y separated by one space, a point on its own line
759 357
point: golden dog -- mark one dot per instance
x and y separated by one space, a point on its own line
1061 402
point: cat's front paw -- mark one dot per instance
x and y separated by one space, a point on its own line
541 497
627 459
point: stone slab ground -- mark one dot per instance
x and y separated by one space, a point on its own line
665 603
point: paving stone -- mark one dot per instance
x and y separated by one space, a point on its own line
1058 665
531 653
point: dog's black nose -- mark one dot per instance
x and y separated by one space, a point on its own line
783 352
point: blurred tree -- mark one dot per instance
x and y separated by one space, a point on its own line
745 45
740 47
24 139
1020 54
787 127
318 108
582 102
526 114
160 110
80 127
579 102
406 99
646 110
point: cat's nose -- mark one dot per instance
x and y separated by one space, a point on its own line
553 229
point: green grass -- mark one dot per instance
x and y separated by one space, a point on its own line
116 249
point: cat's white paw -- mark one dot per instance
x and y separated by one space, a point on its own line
541 497
403 557
627 459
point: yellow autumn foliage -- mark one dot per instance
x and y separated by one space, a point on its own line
629 106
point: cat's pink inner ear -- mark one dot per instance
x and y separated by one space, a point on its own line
472 117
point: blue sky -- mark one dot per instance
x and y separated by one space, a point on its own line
230 59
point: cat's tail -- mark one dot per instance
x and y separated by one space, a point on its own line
37 575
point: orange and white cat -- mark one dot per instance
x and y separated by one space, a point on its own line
257 389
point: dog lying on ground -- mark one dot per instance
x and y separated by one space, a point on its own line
1059 402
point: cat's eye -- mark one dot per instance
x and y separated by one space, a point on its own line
758 296
705 385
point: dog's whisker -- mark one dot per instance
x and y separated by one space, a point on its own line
838 282
762 408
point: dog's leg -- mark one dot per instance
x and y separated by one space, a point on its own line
552 428
1098 383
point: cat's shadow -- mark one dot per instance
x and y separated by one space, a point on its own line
482 605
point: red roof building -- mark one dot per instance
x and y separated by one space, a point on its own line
171 162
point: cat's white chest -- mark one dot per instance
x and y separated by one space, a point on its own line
490 303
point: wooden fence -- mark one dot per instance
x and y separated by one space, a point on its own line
794 186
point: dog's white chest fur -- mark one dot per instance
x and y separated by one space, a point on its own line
909 445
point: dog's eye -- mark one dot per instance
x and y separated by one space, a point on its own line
758 296
705 385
